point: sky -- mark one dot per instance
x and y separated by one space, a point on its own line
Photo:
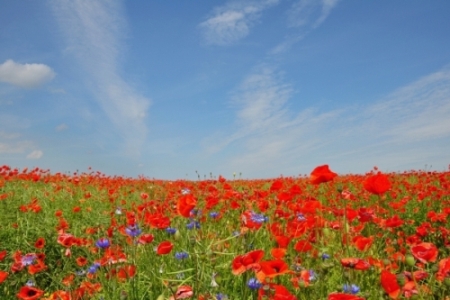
240 88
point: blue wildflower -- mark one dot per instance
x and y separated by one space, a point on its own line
301 217
258 218
325 256
351 289
102 243
312 275
193 225
93 268
254 283
221 296
213 214
133 230
181 255
28 259
171 230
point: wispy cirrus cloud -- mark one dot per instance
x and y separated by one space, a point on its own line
409 128
12 143
304 16
93 30
310 13
25 75
231 22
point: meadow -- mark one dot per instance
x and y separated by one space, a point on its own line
321 236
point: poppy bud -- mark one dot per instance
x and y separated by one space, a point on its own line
177 235
410 260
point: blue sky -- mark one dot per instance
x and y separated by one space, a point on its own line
172 89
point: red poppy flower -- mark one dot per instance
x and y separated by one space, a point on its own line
3 255
39 266
377 184
341 296
66 240
355 263
81 261
183 292
303 246
275 292
186 204
425 252
164 248
362 243
3 276
60 295
276 185
145 238
390 284
322 174
271 269
278 253
29 293
247 261
40 243
282 241
123 273
444 269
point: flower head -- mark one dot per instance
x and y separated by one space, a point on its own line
254 283
351 289
133 230
102 243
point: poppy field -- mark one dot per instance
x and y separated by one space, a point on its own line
319 236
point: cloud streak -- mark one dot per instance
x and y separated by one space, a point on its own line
25 75
93 30
303 17
406 129
233 21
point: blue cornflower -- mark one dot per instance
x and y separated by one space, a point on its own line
28 259
193 224
301 217
171 230
213 214
254 283
181 255
258 218
93 268
352 289
102 243
133 230
312 275
325 256
221 296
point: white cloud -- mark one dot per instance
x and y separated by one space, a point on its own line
61 127
310 13
407 129
35 154
232 22
93 29
25 75
304 16
14 147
